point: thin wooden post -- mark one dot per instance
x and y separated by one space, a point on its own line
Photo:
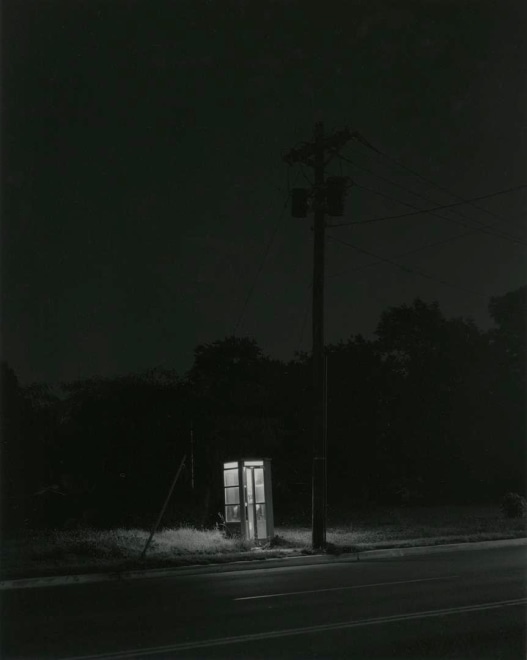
154 528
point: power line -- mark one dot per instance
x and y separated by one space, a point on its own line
483 229
307 179
406 269
383 178
420 211
413 251
423 197
405 254
363 142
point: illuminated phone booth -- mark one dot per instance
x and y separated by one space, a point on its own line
249 499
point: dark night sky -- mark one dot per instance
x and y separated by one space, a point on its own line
142 172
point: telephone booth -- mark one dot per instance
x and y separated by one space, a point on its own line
249 499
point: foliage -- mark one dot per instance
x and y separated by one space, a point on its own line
428 411
360 529
509 312
128 543
513 505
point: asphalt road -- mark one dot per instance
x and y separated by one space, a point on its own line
467 604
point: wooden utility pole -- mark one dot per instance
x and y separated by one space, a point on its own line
314 155
319 245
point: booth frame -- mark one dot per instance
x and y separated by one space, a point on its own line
242 527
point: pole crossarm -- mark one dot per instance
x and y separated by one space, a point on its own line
307 151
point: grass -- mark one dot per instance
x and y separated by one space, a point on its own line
129 543
86 550
413 526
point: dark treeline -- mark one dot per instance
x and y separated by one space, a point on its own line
429 411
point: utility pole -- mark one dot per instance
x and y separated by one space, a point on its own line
319 249
326 197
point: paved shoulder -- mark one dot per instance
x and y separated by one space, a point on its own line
64 580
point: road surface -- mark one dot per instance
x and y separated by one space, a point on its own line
463 604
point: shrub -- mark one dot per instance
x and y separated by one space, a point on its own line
513 505
278 541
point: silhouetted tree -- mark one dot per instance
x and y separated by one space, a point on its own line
507 392
359 397
120 443
430 410
13 479
435 427
234 410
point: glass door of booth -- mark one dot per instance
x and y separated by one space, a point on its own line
255 502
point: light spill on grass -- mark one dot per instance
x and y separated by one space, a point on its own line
129 543
415 526
89 550
120 549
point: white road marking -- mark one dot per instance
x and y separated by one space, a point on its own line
357 586
275 634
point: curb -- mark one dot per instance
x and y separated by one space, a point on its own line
256 564
447 547
173 571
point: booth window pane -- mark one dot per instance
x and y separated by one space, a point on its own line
253 463
230 466
232 495
261 521
230 477
259 485
259 493
250 487
232 513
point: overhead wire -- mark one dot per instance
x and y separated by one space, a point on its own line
483 229
307 179
407 269
402 165
404 254
423 197
421 211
